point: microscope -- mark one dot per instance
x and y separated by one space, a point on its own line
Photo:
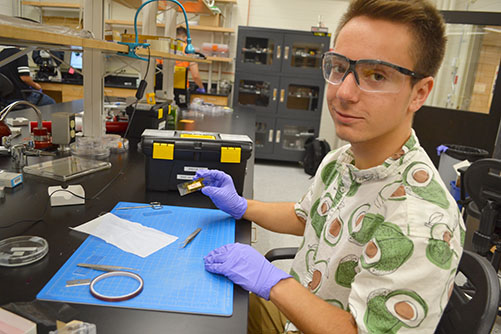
48 68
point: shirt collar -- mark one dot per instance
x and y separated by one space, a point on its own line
387 168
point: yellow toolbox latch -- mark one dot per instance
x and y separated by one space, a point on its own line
231 154
163 151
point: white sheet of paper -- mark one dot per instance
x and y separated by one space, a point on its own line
128 236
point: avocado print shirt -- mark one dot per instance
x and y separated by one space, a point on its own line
382 243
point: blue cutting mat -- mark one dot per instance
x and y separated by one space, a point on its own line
174 278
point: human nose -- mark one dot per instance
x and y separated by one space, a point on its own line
348 89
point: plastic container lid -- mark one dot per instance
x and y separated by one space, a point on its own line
22 250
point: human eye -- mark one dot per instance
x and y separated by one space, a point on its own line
338 67
375 75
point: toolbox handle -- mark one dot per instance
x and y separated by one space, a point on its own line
286 52
279 51
277 138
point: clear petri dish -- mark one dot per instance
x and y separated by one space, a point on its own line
91 147
22 250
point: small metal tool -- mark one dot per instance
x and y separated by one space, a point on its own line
153 205
103 267
190 237
78 282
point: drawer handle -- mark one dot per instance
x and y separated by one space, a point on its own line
279 51
270 136
286 52
277 138
282 95
274 94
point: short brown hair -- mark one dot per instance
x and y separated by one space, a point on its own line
420 16
181 32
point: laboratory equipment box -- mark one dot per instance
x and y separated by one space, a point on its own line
173 157
146 116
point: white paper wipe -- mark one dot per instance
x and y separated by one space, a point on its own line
128 236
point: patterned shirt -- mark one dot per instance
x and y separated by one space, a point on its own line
383 243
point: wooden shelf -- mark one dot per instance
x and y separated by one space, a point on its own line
161 25
211 29
196 6
43 4
16 35
130 3
220 59
128 23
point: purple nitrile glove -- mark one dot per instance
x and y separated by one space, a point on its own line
200 90
219 187
246 267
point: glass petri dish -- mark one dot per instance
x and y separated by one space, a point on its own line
22 250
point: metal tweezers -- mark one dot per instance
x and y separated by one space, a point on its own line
103 267
190 237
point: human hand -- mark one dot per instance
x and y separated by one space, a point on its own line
200 90
246 267
221 190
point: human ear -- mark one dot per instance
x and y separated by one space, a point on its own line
420 93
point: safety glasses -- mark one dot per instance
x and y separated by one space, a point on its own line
371 75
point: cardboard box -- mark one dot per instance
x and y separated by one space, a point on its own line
210 20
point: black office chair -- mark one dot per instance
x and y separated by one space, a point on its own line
7 87
472 308
482 183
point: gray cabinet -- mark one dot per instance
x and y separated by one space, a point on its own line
279 77
282 138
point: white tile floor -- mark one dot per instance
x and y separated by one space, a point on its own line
275 181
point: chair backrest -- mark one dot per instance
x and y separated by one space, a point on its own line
6 86
473 307
483 182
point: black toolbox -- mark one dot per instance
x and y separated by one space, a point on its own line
173 157
146 116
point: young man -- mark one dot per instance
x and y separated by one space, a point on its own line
182 35
19 74
382 235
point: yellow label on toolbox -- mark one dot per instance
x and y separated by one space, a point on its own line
163 151
231 154
189 135
150 98
161 113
